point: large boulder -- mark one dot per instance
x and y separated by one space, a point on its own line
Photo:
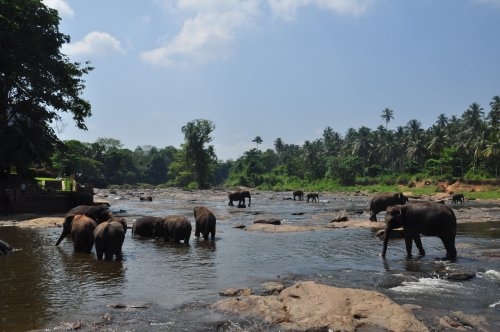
307 305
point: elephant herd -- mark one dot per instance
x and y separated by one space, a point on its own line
299 195
416 218
96 225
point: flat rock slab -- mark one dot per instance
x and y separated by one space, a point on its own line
307 306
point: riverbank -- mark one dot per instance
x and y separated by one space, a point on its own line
330 220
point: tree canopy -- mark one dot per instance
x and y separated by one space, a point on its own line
37 83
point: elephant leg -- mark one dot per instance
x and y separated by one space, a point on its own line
108 255
451 251
212 233
408 243
373 216
99 251
186 238
418 243
197 230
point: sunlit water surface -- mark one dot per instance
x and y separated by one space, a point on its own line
163 286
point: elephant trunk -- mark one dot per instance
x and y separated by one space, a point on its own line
386 241
63 235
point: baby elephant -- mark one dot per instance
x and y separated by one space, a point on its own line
82 233
109 237
145 226
312 196
204 222
457 198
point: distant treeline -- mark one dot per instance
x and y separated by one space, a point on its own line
458 147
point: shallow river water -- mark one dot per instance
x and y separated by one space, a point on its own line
166 287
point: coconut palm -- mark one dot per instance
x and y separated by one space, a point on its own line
387 115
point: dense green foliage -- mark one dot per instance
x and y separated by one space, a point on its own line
37 83
465 147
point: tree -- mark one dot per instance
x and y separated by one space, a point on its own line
387 115
37 83
198 158
258 140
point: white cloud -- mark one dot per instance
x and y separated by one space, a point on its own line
94 43
205 37
211 26
61 6
287 9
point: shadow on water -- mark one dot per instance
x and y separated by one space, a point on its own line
162 286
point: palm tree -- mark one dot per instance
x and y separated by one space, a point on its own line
387 115
258 140
362 145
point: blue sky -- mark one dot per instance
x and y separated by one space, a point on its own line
276 68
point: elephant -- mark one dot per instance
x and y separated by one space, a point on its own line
204 222
5 248
174 227
382 201
427 218
457 198
240 197
312 196
99 213
147 198
145 226
82 233
109 237
299 194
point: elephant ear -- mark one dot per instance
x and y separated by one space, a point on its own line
395 211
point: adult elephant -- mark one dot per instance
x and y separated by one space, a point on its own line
312 196
174 228
427 218
239 196
98 213
382 201
298 194
204 222
5 248
82 233
145 226
109 237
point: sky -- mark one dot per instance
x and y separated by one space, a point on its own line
283 69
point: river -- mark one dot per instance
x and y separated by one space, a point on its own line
166 287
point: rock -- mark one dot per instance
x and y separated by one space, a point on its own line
460 276
460 321
235 292
391 281
268 221
309 306
239 226
339 218
273 287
